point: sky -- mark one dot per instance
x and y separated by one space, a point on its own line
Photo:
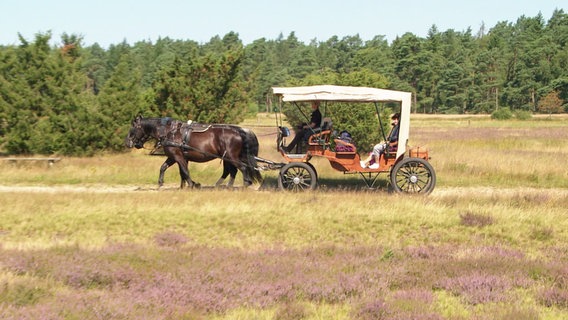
109 22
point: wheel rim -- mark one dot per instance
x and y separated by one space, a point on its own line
413 177
297 179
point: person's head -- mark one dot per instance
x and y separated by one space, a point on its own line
395 118
315 104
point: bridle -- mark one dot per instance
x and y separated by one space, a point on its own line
139 141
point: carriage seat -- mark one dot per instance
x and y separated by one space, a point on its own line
343 147
322 134
391 152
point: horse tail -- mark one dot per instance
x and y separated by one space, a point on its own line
249 152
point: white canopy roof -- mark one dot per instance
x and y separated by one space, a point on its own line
339 93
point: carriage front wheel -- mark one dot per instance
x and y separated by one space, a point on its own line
413 175
297 176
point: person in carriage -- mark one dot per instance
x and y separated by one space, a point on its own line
392 142
306 130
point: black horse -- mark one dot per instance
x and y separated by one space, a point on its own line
182 142
169 126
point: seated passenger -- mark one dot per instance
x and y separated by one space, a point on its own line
307 129
380 148
344 143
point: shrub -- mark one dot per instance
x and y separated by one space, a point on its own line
170 239
478 288
375 309
471 219
523 115
502 114
291 311
554 297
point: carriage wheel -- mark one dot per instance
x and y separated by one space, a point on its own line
413 175
297 176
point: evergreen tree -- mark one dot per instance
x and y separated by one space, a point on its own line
118 103
73 100
95 67
376 56
409 58
47 87
206 89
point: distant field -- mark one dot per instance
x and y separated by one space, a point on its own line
92 238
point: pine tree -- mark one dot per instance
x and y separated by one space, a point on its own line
119 102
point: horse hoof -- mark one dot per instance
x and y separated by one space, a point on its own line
255 186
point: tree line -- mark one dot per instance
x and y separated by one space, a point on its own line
72 99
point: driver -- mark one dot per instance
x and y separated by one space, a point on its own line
307 129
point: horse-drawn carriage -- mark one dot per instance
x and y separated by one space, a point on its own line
408 168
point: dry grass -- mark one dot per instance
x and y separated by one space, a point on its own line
497 153
93 238
256 219
473 151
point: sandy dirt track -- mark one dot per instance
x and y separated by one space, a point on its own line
439 191
68 188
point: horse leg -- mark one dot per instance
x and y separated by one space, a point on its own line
229 169
184 175
168 163
184 172
232 170
235 166
219 182
224 175
231 180
246 177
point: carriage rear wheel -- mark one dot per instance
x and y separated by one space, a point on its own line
413 175
297 176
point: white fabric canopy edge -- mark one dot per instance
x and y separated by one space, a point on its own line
339 93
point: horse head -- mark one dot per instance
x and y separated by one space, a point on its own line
137 135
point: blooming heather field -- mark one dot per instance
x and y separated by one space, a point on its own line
92 238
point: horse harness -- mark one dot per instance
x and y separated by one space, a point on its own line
186 130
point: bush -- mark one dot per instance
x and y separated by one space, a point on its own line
523 115
502 114
471 219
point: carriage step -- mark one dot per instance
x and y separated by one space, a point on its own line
296 155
